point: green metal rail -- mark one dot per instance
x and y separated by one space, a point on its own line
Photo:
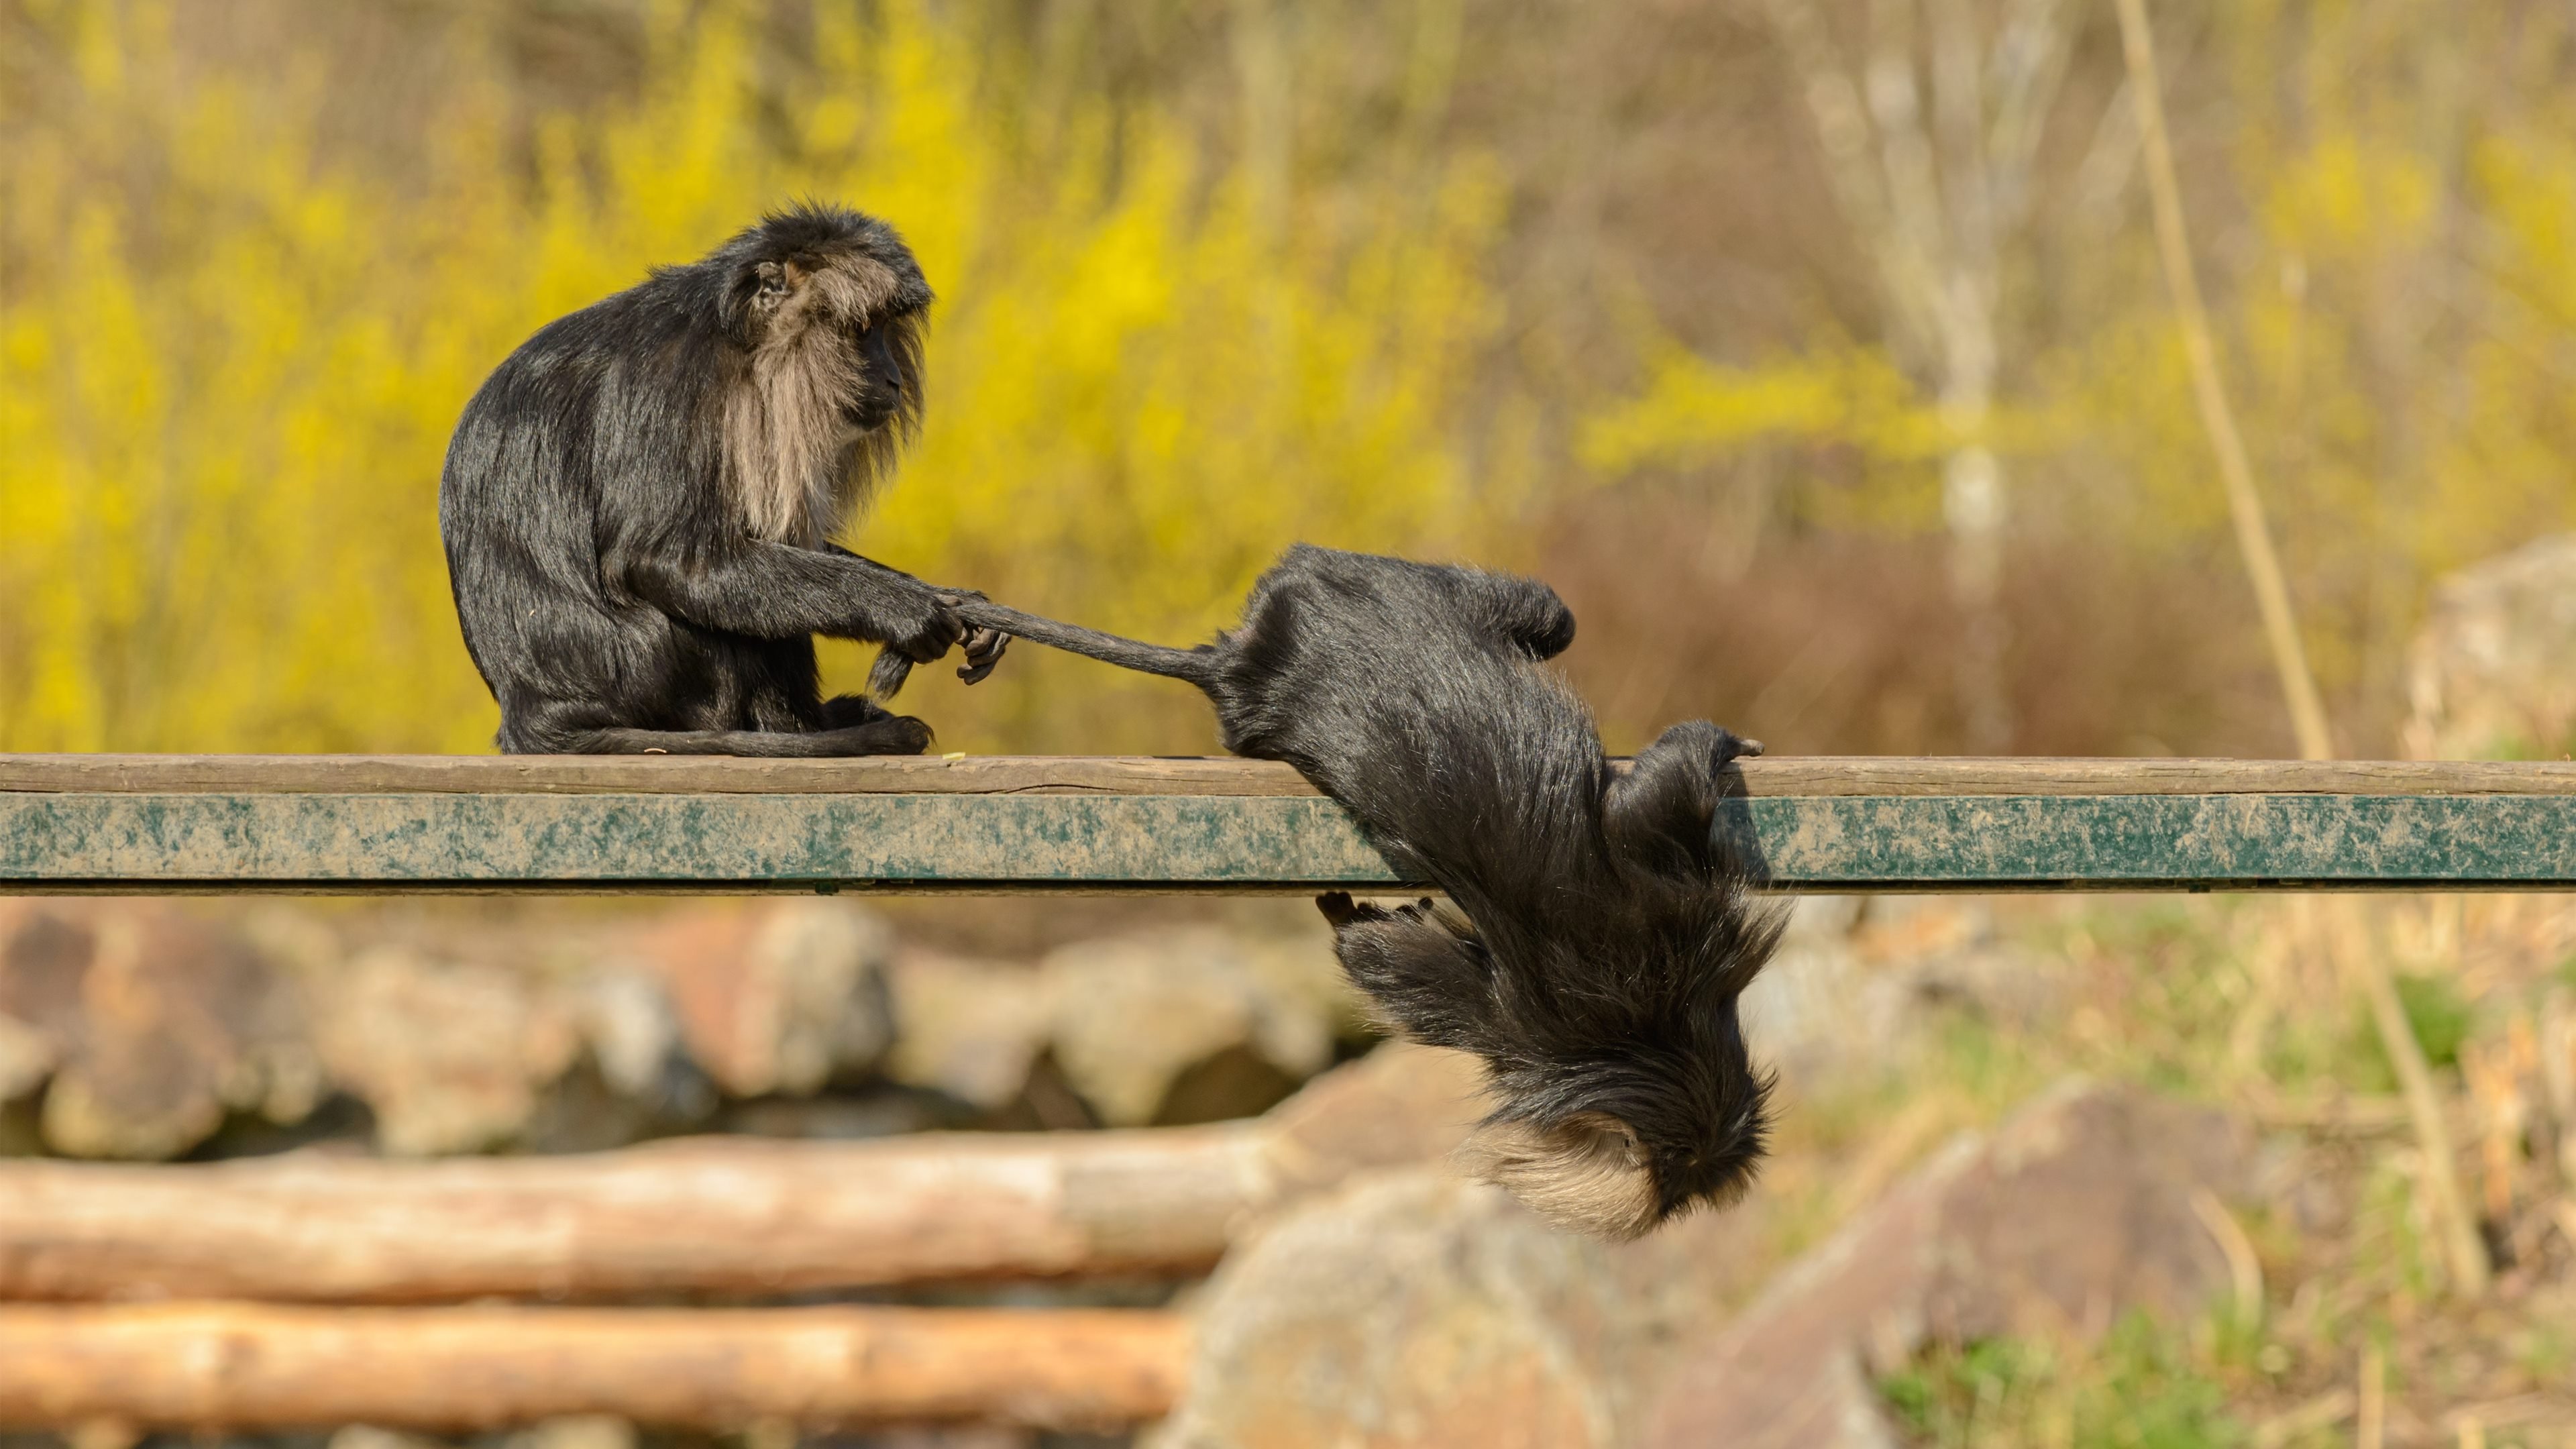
160 824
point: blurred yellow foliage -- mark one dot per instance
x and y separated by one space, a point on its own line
2397 324
225 390
1692 410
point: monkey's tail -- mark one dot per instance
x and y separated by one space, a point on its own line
1196 666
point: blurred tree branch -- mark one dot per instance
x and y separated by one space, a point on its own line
2462 1250
1938 201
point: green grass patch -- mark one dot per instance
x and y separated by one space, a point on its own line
2138 1389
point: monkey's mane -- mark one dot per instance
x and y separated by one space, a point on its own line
797 466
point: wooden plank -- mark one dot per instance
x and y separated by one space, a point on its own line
646 774
1215 776
217 1366
923 842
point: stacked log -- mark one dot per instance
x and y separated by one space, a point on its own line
189 1297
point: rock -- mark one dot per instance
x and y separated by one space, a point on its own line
777 997
2493 674
2073 1212
1188 1024
1819 1015
1411 1308
452 1056
967 1028
1845 997
1393 1304
1401 1105
631 1028
1133 1014
27 1057
153 1023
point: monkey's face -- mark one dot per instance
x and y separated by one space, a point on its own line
1667 1136
831 286
851 306
1640 1104
823 307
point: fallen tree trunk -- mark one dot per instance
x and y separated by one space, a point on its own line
720 1215
723 1215
251 1366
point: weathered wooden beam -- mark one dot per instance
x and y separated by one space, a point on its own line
712 1215
215 1366
137 825
1209 775
716 1215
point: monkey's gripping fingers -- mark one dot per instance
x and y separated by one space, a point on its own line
984 648
947 627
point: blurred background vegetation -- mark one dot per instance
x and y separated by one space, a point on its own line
1822 364
1818 352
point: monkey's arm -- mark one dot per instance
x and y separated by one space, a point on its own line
984 645
776 591
1658 813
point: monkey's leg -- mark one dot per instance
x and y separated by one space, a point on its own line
895 734
847 711
1531 615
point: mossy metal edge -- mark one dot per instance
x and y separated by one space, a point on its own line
409 842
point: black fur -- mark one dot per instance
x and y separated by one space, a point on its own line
616 590
1611 930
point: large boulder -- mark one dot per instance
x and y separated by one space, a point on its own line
2088 1203
1412 1308
2494 668
1408 1307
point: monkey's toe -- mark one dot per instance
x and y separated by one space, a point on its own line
1338 907
899 734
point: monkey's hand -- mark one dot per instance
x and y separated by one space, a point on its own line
984 646
947 626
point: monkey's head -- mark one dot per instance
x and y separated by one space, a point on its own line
1624 1094
826 308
